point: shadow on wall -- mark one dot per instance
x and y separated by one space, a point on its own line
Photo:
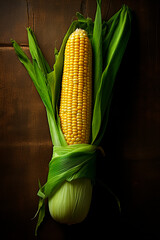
113 170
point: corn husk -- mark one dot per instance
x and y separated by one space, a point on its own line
71 165
71 202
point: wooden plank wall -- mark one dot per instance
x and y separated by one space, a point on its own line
132 142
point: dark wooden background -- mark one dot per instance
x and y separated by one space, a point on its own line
131 167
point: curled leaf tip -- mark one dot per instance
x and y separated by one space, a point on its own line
99 2
12 41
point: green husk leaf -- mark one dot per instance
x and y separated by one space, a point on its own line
55 53
24 60
80 17
39 81
68 163
35 73
38 56
109 27
57 138
42 88
36 52
56 132
97 50
40 213
117 42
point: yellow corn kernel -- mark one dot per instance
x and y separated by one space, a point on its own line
76 94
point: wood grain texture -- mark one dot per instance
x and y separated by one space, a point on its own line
51 22
20 123
15 17
132 140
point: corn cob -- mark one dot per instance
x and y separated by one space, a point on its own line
76 93
70 204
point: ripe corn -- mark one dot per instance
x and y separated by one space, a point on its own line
76 93
70 204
